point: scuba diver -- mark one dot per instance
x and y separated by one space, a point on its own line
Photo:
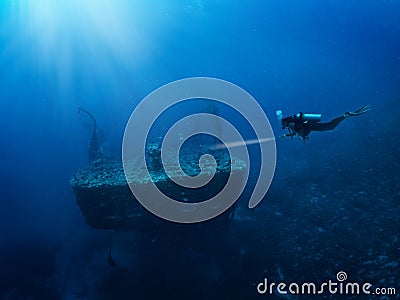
303 124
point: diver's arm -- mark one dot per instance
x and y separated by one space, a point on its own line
290 134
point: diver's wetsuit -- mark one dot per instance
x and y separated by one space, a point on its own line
299 125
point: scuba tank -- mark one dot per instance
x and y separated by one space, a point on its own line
279 115
309 117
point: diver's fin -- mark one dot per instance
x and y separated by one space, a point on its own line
358 112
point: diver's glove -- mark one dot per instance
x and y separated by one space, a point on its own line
358 112
290 134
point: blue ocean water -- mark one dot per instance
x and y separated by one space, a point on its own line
334 202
